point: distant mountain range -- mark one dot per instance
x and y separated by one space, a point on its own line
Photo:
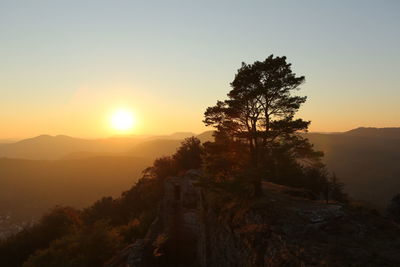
367 160
46 147
41 172
388 133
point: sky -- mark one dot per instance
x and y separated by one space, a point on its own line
65 66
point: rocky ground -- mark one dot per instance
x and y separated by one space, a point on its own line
285 227
283 230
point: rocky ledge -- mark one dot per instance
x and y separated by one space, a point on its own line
196 227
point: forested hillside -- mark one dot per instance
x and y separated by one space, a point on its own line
30 187
366 160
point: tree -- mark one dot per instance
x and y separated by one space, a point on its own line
87 246
105 208
336 188
53 225
162 168
188 155
224 158
260 111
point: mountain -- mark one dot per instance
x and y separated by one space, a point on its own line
40 172
204 226
366 160
155 148
30 187
86 154
206 136
179 135
7 141
387 133
164 146
46 147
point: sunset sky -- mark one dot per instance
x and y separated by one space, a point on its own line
66 66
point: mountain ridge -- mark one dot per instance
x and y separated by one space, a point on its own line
388 132
44 147
363 158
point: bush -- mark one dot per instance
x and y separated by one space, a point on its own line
89 246
53 225
188 155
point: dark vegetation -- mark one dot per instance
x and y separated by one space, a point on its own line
258 137
88 237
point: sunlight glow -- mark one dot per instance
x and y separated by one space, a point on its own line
122 120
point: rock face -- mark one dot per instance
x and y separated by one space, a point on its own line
173 238
282 230
180 218
200 228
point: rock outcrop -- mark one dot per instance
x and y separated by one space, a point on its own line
200 228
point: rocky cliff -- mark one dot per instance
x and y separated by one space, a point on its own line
196 227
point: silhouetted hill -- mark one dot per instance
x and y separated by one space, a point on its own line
206 136
86 154
367 162
7 141
46 147
89 169
375 132
152 147
55 147
179 135
366 159
155 148
31 187
164 147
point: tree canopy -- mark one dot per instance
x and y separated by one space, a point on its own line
260 112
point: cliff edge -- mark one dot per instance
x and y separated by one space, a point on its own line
197 227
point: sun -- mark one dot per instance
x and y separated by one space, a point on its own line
122 120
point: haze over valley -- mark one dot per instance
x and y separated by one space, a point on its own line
44 171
